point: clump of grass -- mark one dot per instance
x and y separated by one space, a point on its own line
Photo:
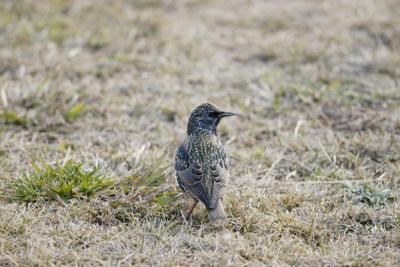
291 201
149 188
369 195
59 181
97 41
169 114
59 31
145 193
12 117
121 57
272 25
75 111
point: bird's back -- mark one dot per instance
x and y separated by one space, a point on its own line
202 168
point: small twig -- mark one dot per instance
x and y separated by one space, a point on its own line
233 138
184 217
128 164
4 96
65 160
273 166
291 174
326 153
300 164
125 259
297 129
381 176
60 200
333 182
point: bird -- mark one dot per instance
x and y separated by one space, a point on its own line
201 163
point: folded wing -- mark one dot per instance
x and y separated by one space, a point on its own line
204 181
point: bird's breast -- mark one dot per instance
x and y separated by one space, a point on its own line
205 149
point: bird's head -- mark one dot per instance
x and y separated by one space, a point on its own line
206 117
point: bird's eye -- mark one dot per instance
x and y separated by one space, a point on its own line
213 114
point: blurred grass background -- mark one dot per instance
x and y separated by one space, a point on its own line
107 86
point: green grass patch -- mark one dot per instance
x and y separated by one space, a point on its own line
59 31
369 195
12 117
97 42
60 181
75 111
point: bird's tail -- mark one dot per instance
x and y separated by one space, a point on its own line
218 213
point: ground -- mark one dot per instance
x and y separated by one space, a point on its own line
315 162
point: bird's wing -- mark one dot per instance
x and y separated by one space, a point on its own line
205 182
190 176
218 175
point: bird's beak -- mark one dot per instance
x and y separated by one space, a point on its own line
228 114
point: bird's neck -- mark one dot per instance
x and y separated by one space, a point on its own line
199 127
204 132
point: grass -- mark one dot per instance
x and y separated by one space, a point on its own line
62 181
146 190
11 117
370 195
314 177
75 111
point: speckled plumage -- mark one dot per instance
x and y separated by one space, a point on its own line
201 163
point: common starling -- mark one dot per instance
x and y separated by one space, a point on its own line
201 163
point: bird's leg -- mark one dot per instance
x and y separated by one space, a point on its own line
190 211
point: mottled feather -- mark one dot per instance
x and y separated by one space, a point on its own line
202 171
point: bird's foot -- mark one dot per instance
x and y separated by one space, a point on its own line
185 216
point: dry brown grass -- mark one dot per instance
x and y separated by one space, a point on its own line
111 83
